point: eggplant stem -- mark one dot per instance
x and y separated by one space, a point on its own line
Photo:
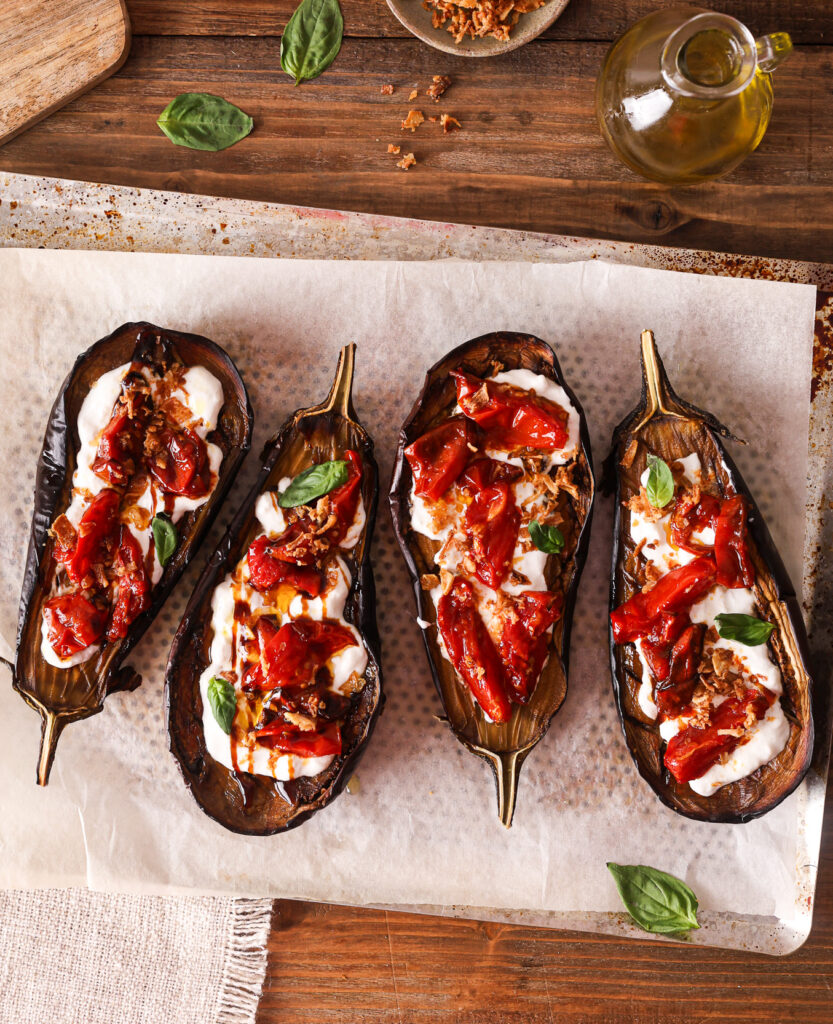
51 727
506 765
340 398
655 380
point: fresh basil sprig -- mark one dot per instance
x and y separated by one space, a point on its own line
658 902
314 483
200 120
660 486
311 39
164 539
546 538
744 629
223 702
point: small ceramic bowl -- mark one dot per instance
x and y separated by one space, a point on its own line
418 21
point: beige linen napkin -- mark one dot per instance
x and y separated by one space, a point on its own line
71 956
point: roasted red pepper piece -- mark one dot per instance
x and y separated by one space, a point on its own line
119 449
267 571
511 417
656 646
677 591
290 656
524 640
291 740
98 526
134 586
691 753
439 456
731 551
180 463
72 623
492 518
673 694
471 650
344 500
689 516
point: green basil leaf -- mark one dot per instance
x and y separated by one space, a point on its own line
199 120
311 39
660 486
313 483
223 701
745 629
546 538
658 902
165 539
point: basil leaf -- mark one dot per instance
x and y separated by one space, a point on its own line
546 538
660 486
745 629
314 483
658 902
223 701
311 39
199 120
165 539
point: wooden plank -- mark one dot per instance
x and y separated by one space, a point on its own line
52 51
328 965
809 22
529 155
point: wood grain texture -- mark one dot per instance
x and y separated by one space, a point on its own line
529 154
52 51
810 22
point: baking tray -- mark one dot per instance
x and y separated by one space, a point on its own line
51 213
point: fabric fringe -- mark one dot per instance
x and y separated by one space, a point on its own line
245 969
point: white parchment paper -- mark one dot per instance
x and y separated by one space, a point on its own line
423 827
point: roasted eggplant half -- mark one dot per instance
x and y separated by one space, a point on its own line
143 442
709 652
492 495
274 685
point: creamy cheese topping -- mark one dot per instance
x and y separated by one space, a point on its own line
769 735
202 394
228 654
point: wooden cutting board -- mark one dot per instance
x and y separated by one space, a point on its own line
53 50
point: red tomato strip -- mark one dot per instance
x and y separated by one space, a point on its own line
492 518
119 450
72 623
134 586
181 465
290 656
674 693
98 526
677 591
267 570
439 456
512 418
524 641
731 551
291 740
688 517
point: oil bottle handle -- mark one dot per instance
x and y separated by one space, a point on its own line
773 49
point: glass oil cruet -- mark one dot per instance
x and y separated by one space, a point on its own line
686 94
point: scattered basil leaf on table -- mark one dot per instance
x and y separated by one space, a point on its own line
311 39
546 538
164 538
745 629
657 902
660 486
199 120
223 702
314 483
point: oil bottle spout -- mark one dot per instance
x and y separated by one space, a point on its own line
773 49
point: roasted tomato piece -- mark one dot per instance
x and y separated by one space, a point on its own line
344 500
178 459
97 529
657 644
134 586
267 571
692 751
691 514
492 519
524 640
677 591
471 650
731 551
439 456
72 623
291 740
674 693
512 418
119 449
290 656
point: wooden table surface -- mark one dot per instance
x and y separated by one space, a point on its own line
528 156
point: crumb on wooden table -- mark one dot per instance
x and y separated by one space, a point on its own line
387 90
393 149
441 83
413 120
449 123
413 95
408 160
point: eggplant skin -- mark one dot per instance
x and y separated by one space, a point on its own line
66 695
671 436
506 746
252 804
